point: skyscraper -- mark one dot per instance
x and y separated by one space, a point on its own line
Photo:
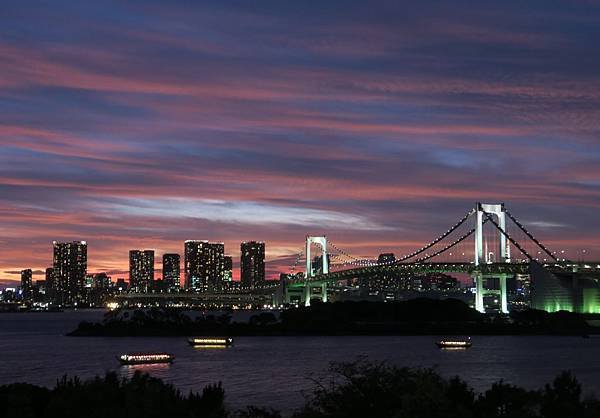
171 270
26 283
252 263
69 271
141 270
203 264
227 268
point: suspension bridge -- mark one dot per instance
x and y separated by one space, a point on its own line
488 242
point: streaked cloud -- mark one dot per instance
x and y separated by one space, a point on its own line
131 124
245 212
545 224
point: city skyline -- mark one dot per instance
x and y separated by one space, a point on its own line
145 125
149 270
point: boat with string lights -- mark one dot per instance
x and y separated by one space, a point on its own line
210 341
146 358
455 344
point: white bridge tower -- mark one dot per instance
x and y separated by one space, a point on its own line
484 210
315 289
322 242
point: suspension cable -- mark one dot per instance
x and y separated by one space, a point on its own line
447 247
435 241
298 257
515 243
363 262
356 260
531 236
345 253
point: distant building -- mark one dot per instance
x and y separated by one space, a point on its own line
89 281
97 289
386 258
8 295
383 281
227 268
69 271
252 263
101 281
171 271
204 265
141 270
26 283
520 298
49 278
387 279
121 285
50 291
39 291
41 286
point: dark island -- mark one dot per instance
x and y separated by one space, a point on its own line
414 317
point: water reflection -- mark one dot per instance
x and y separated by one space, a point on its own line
454 348
128 370
201 347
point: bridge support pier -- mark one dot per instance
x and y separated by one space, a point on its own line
321 292
480 292
503 297
307 294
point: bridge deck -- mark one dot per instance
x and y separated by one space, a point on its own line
424 268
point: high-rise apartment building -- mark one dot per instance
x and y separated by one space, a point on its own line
171 270
141 270
203 264
252 263
69 271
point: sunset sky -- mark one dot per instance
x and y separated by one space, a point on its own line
139 124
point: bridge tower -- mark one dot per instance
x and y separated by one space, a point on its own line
483 210
312 288
322 241
504 250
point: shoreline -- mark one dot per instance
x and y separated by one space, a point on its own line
416 317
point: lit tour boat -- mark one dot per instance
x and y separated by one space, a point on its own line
146 358
216 341
455 343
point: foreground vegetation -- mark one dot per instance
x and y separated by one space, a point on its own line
413 317
357 389
109 397
364 389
